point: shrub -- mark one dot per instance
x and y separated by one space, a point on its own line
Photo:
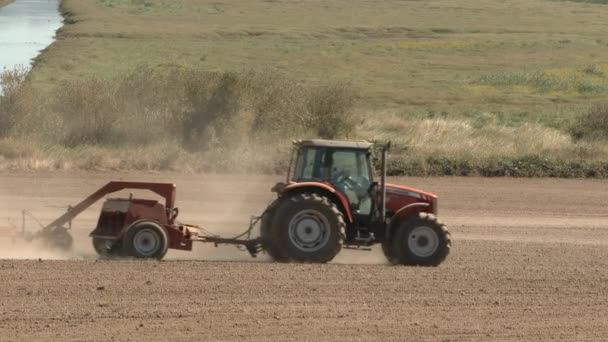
213 100
592 125
277 104
12 85
330 110
89 110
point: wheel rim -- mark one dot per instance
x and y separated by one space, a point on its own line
309 230
423 241
146 242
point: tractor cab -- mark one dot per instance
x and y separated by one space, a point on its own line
343 165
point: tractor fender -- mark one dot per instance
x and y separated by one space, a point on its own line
337 197
402 213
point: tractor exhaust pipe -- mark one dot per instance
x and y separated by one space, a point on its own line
383 181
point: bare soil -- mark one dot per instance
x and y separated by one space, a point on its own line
529 262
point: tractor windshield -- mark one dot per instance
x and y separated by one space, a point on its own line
348 170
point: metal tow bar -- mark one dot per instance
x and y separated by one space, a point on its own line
253 246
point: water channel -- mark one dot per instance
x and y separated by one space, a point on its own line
26 27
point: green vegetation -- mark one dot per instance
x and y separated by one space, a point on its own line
203 85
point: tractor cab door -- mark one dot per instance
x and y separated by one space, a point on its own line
351 175
347 170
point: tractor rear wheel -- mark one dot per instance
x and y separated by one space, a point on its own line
387 249
422 240
266 232
146 240
308 228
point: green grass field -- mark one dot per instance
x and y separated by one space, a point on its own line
460 81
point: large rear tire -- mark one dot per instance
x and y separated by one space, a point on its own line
307 228
387 250
146 240
269 241
422 241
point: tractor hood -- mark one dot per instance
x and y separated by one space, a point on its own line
407 191
398 196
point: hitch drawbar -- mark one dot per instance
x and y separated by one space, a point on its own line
253 246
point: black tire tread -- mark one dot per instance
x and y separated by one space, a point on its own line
278 229
269 235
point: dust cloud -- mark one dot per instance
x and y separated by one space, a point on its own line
17 248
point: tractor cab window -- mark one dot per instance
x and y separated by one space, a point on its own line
348 170
310 165
350 173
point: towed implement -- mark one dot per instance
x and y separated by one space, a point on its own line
135 227
329 201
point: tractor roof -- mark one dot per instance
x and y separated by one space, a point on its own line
360 144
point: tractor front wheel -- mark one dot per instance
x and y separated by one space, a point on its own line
146 240
422 241
307 228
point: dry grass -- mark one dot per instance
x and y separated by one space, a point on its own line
593 125
478 87
167 119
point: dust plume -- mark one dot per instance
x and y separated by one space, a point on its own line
16 248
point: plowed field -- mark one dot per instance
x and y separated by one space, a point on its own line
529 262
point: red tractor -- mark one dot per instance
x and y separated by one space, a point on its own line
330 200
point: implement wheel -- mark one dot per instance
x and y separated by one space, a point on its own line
106 248
58 238
307 228
422 241
146 240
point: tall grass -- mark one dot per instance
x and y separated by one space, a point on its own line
208 120
440 146
11 98
592 125
189 120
